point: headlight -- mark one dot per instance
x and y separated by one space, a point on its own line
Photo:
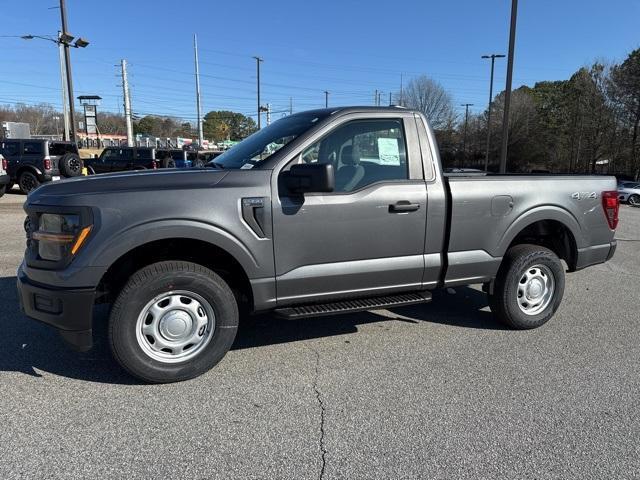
59 236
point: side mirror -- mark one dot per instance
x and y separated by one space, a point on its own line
310 177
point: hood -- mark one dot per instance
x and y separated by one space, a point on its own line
150 180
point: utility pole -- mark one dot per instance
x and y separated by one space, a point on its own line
127 103
268 114
507 96
389 98
258 61
466 119
401 91
67 59
63 82
326 99
493 57
375 98
290 106
198 101
379 97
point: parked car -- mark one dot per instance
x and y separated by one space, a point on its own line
4 177
629 192
117 159
352 213
204 156
182 158
32 161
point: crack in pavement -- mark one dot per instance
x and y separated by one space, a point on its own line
323 448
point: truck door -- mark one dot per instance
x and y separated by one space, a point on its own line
367 236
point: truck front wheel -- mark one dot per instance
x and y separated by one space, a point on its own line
528 288
172 321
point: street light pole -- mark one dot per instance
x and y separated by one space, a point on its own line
466 119
326 99
63 84
493 57
258 60
67 59
198 101
507 96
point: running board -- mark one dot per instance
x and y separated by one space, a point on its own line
353 305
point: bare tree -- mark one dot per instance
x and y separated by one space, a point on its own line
429 97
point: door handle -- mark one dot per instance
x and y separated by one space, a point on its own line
403 206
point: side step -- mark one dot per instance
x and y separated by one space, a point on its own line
353 305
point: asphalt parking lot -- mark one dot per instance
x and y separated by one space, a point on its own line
435 391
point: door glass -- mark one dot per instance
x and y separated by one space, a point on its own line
32 148
362 153
11 149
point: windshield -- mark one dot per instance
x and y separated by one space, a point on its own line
264 143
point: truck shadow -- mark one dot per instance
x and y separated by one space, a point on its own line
467 308
30 347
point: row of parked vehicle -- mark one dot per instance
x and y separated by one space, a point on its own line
31 162
117 159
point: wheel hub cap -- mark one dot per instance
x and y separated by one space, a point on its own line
175 326
535 289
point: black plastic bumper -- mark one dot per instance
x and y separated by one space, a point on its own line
68 310
4 180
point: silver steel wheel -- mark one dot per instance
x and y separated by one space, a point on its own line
535 289
175 326
634 200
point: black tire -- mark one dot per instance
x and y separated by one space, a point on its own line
148 284
507 297
197 163
634 200
28 182
90 171
70 165
3 189
168 163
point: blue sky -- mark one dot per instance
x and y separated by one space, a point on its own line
349 48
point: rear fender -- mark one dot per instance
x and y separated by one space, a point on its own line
543 212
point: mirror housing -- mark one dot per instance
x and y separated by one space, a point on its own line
310 177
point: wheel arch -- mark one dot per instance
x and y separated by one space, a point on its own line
31 168
550 227
193 250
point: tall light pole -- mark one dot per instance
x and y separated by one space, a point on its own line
258 61
466 119
493 57
63 41
198 104
326 99
65 38
126 95
507 96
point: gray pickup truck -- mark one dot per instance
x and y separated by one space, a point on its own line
323 212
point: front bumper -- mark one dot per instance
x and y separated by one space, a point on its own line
68 310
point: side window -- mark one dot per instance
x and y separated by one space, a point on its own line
11 149
362 153
109 155
32 148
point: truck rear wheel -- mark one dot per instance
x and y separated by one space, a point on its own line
528 288
172 321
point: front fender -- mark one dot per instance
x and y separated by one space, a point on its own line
111 249
543 212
